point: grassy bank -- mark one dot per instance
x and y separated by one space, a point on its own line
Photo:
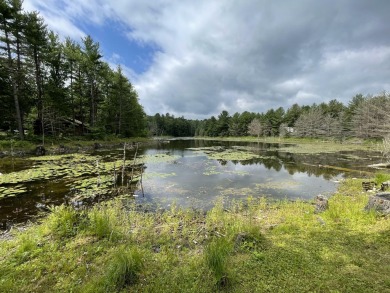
251 246
297 145
53 145
309 145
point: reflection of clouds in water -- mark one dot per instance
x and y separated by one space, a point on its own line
199 178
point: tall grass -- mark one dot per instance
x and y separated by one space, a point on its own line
249 246
122 271
381 177
63 221
101 223
217 256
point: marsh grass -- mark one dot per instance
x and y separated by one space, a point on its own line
122 270
381 177
63 221
243 246
102 223
217 257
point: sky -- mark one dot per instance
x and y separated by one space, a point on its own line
196 58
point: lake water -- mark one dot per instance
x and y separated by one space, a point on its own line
187 172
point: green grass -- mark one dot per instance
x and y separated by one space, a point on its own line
52 144
308 145
216 256
250 246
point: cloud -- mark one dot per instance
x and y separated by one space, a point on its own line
247 55
56 18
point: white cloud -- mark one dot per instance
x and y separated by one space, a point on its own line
244 55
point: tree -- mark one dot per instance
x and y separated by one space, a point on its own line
11 19
292 115
255 128
371 118
223 123
36 36
92 64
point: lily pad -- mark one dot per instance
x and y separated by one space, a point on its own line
6 192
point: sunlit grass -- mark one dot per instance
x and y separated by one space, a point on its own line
243 246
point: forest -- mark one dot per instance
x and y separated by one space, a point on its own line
58 88
365 117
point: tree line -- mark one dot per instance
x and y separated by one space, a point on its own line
363 117
55 87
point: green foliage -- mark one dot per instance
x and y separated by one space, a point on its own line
101 223
63 221
122 271
217 257
26 249
60 87
381 177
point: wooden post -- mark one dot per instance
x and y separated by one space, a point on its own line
124 163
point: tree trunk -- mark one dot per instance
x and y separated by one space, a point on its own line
15 87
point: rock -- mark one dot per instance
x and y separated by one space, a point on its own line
321 204
379 202
385 185
97 146
240 239
42 206
156 248
321 221
40 150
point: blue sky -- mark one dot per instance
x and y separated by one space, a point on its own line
197 58
119 48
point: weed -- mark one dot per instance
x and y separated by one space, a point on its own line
381 177
216 255
63 221
122 271
100 223
26 248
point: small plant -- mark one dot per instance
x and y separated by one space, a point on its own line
123 270
100 222
216 255
26 248
63 221
381 177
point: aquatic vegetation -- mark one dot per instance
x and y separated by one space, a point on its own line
95 173
212 170
12 191
149 175
242 192
283 184
157 158
221 153
232 155
320 148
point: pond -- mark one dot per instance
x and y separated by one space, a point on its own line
187 172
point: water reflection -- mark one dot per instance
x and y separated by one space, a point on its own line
191 178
